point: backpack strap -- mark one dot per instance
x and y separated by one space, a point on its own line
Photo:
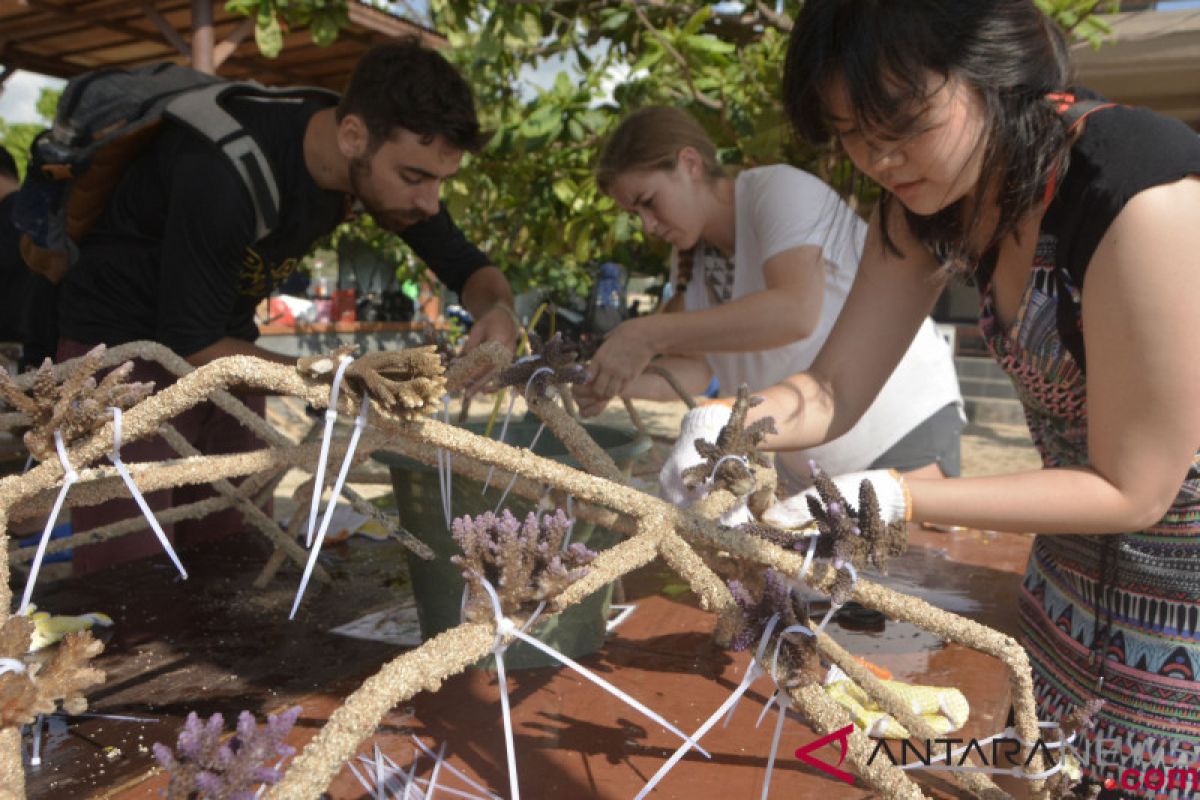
204 112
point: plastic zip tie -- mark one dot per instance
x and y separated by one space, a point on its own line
456 772
445 476
753 673
70 476
740 459
513 481
359 423
330 418
115 458
512 398
510 748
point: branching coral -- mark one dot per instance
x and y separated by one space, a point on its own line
857 536
75 407
30 691
201 766
525 562
551 363
799 663
728 459
847 535
407 383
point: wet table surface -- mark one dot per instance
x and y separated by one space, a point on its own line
215 644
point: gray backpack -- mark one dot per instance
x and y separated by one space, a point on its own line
104 119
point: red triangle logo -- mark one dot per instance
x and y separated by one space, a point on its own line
803 753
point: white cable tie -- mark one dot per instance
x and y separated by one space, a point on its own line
459 792
13 665
365 784
70 476
833 607
570 523
759 654
512 481
326 436
808 556
606 686
512 398
115 458
408 779
445 475
536 372
766 708
359 424
753 672
35 747
781 697
740 459
774 744
456 772
437 768
504 627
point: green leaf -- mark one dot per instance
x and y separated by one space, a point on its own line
565 190
697 20
268 36
324 30
563 84
706 43
546 121
244 7
576 130
612 19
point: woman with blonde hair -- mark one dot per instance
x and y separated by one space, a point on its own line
762 263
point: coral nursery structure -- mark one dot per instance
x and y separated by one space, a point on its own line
404 389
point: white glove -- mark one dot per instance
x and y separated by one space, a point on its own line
705 423
889 487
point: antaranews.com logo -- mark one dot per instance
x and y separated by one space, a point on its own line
997 754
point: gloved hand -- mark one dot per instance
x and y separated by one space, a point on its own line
705 423
894 502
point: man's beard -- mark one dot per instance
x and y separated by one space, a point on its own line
360 170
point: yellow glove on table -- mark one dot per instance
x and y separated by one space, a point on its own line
945 709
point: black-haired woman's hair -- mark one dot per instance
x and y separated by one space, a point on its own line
883 53
404 85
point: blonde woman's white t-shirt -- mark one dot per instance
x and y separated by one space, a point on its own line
780 208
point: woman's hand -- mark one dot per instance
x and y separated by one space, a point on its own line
890 489
590 403
626 352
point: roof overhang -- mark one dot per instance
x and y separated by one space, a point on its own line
1154 61
66 37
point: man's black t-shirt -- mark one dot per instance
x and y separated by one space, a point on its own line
173 257
13 274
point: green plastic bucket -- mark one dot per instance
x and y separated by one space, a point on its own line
438 584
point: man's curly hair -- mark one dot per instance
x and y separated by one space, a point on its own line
403 84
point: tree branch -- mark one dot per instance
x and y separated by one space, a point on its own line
679 58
